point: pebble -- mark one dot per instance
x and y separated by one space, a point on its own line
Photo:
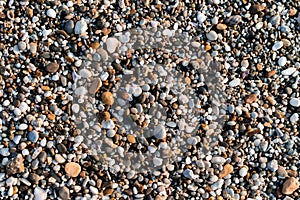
64 193
282 172
221 27
40 194
22 45
251 98
4 152
112 44
189 174
73 169
289 71
51 13
81 27
294 118
23 127
290 186
243 171
273 165
107 98
277 45
295 102
131 139
69 26
33 136
235 82
212 35
108 124
282 61
160 132
218 160
52 67
227 169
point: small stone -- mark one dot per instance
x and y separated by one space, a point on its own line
243 171
59 158
33 136
290 186
235 82
81 27
107 98
212 35
69 26
282 61
294 118
292 12
277 45
218 160
295 102
40 194
221 27
227 169
189 174
112 44
51 13
157 161
95 86
94 190
52 67
15 166
289 71
273 165
108 124
94 45
22 45
271 73
131 139
160 132
286 42
201 17
72 169
81 91
251 98
85 73
282 172
51 116
23 127
64 193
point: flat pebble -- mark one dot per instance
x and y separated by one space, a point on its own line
295 102
294 118
282 61
277 45
112 44
218 160
51 13
235 82
290 186
33 136
64 192
289 71
73 169
243 171
81 27
212 35
160 132
40 194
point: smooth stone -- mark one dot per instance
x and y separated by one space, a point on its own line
243 171
112 44
201 17
212 35
39 194
73 169
22 45
160 132
95 86
227 169
81 27
294 118
64 193
290 186
51 13
75 108
189 174
52 67
33 136
277 45
295 102
108 124
282 61
4 152
273 165
85 73
80 91
289 71
218 160
17 112
23 127
69 26
235 82
157 161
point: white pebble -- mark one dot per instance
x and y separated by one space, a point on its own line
39 194
243 171
294 118
112 44
277 45
81 27
235 82
295 102
282 61
51 13
212 35
289 71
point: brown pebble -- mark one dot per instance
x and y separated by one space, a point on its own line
221 27
292 12
251 98
207 47
52 67
51 116
45 88
95 86
94 45
73 169
131 139
108 191
290 186
286 42
256 8
271 73
259 67
271 100
29 12
16 165
107 98
227 169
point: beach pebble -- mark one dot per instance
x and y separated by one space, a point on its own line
160 132
23 127
40 194
188 174
282 61
73 169
290 186
69 26
108 124
227 169
212 35
277 45
235 82
295 102
4 152
51 13
33 136
64 193
81 27
52 67
243 171
273 165
95 86
289 71
218 160
294 118
112 44
107 98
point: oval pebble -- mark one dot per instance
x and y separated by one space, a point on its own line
277 45
289 71
212 35
282 61
235 82
295 102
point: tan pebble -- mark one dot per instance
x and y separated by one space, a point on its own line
292 173
271 73
29 12
51 116
259 67
45 88
15 190
286 42
271 100
104 115
251 98
207 47
52 67
107 98
187 80
219 198
290 186
221 27
108 191
106 31
131 139
94 45
72 169
292 12
95 86
282 172
227 169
